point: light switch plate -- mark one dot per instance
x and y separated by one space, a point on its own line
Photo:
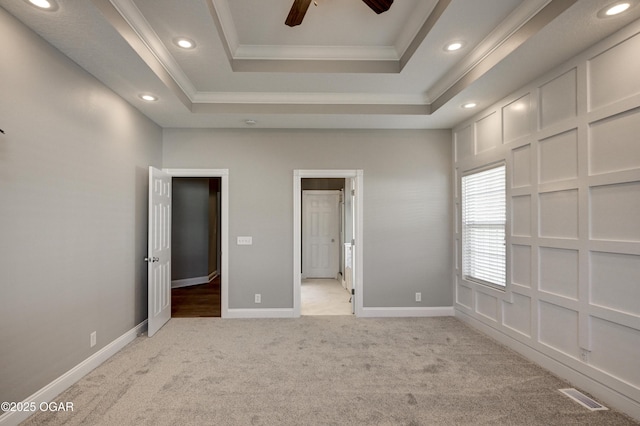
245 241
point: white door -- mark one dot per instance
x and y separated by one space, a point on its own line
321 234
159 250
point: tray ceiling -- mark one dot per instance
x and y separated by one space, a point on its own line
343 67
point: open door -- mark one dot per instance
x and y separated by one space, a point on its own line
350 246
159 250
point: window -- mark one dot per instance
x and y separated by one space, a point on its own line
483 226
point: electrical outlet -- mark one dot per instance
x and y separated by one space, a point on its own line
418 297
258 298
92 338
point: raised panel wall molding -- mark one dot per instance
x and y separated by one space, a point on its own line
573 193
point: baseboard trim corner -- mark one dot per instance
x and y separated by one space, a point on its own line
64 382
439 311
186 282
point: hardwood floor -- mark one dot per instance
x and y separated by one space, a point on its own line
196 301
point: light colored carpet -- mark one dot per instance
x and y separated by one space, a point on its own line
324 297
323 370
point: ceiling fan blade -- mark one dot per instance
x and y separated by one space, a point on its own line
297 12
379 6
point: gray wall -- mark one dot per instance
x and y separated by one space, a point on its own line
190 228
73 212
570 142
407 207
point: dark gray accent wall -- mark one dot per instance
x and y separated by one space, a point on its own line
73 212
214 225
190 228
407 206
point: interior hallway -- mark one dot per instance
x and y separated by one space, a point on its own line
324 297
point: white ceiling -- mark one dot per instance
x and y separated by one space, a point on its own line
344 67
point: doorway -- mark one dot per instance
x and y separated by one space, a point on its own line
223 202
159 245
195 247
323 216
347 278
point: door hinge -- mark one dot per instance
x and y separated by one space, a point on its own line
353 291
353 192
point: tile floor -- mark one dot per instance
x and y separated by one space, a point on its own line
324 297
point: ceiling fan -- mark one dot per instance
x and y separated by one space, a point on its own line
299 9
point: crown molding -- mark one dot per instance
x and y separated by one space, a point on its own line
139 24
418 26
412 30
296 52
315 66
518 18
550 11
129 21
520 25
309 98
221 13
311 103
310 109
415 42
358 59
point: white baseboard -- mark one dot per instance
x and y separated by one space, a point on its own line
440 311
603 393
64 382
445 311
260 313
190 281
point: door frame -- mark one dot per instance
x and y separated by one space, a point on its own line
358 176
223 174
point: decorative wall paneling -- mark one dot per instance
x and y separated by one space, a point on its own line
571 142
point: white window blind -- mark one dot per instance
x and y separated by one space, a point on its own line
483 226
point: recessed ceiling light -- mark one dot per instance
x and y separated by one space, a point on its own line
148 98
616 8
453 46
469 105
43 4
185 43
